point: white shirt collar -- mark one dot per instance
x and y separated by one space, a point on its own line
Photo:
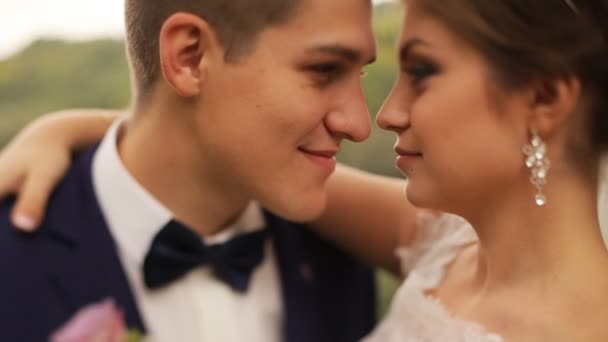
133 215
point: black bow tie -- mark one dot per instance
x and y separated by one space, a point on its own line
176 250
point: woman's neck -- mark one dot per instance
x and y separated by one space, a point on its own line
522 244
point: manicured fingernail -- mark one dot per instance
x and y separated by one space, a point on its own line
24 222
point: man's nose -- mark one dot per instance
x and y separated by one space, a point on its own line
350 120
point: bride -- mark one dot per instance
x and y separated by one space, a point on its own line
501 116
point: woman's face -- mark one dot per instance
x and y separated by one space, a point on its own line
459 137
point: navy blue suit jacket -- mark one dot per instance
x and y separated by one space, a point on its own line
72 261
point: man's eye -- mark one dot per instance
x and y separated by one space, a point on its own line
326 73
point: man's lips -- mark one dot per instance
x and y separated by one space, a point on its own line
321 153
324 158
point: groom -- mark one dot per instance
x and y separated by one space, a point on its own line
184 213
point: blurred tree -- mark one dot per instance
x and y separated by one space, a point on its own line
51 75
376 154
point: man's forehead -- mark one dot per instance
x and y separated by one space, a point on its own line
340 28
326 12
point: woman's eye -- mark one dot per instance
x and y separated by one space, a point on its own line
419 72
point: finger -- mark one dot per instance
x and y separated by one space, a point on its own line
32 200
9 181
12 172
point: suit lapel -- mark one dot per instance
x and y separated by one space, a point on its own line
300 288
85 264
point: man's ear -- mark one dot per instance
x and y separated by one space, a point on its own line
552 103
186 45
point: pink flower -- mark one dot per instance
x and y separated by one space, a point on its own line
99 322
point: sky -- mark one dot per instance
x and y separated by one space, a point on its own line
22 21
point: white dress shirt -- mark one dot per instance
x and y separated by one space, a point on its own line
197 307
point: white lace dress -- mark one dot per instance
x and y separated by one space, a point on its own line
414 316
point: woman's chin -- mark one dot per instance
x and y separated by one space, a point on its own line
413 196
418 197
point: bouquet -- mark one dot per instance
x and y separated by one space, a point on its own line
98 322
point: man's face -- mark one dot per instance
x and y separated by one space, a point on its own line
271 124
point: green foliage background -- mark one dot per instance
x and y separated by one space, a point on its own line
51 75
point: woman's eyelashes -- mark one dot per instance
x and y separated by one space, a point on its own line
419 71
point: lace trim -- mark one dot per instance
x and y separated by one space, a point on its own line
414 317
440 238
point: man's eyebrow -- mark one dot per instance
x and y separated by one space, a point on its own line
406 47
351 54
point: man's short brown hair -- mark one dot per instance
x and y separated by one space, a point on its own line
237 23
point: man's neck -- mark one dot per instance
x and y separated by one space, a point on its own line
161 151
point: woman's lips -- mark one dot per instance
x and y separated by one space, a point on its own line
405 158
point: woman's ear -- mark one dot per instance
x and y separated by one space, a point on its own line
552 104
186 45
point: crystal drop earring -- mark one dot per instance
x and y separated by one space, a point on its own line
538 163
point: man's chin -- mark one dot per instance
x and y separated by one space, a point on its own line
300 211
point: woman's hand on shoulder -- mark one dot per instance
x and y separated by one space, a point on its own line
33 163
